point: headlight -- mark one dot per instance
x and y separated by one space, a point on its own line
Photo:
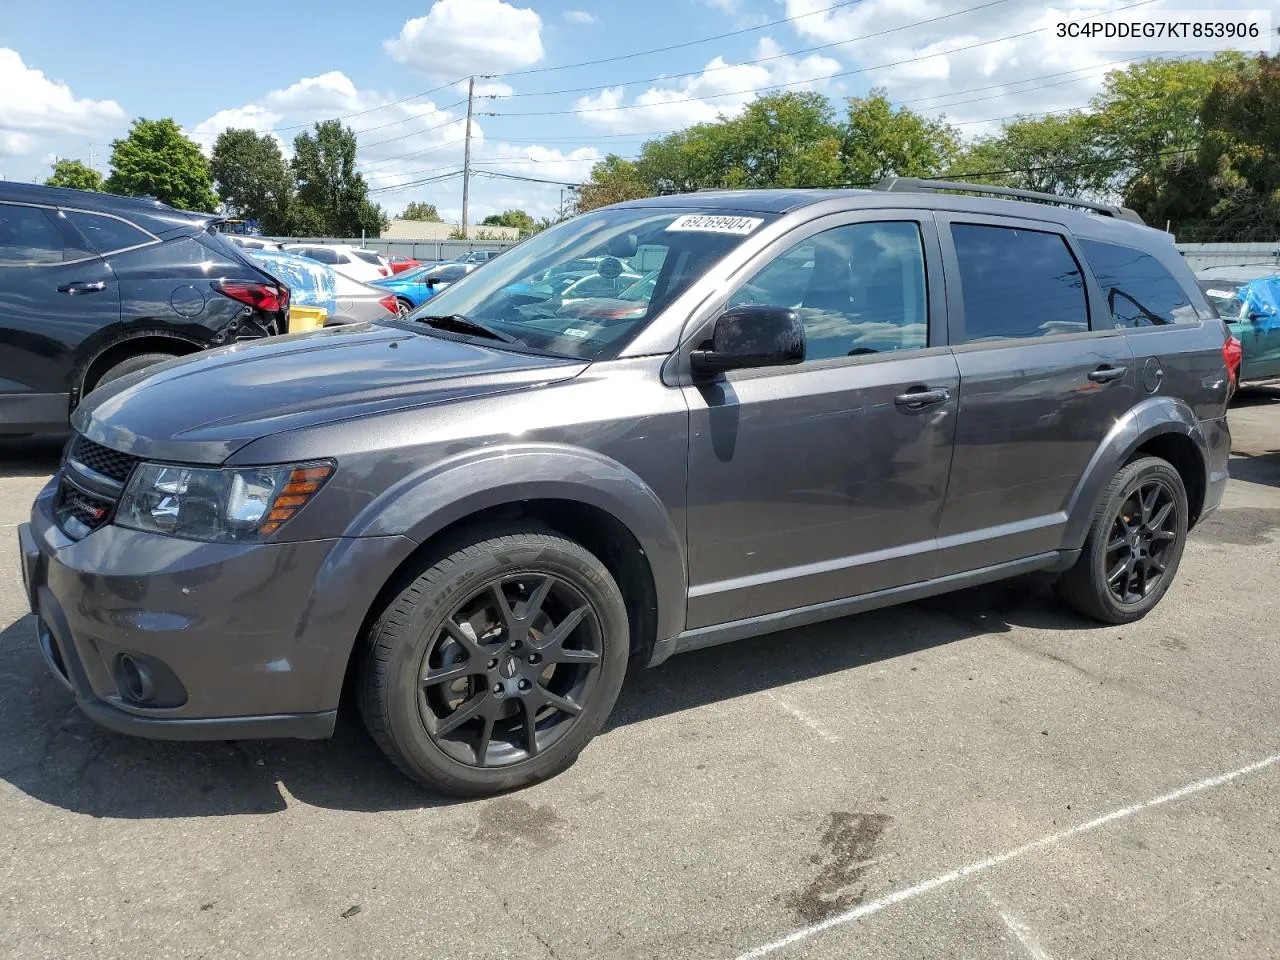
235 505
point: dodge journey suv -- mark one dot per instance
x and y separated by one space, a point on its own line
480 514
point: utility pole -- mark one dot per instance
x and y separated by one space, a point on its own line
466 158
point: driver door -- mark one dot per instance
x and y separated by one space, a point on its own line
826 480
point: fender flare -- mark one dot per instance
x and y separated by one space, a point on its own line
428 500
1153 417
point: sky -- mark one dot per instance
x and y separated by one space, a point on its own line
72 76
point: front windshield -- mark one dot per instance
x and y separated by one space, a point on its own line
559 292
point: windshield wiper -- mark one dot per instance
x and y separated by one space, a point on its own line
460 324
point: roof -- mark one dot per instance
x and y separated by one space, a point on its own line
784 201
149 213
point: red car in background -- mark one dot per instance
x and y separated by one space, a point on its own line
400 264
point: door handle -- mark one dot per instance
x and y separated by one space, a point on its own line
917 398
82 286
1106 373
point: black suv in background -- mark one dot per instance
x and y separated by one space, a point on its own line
94 286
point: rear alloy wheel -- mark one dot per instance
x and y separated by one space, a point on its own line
497 665
1134 546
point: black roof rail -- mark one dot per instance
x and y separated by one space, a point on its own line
915 184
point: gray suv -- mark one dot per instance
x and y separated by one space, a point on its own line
481 513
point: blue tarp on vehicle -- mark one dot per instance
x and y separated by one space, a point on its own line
1261 298
310 284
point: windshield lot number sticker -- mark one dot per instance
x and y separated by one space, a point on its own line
702 223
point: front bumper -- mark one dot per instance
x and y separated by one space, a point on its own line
242 641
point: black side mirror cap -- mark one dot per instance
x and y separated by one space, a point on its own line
752 335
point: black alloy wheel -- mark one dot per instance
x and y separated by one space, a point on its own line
494 665
1142 537
508 671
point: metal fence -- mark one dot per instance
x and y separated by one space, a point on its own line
425 250
1201 255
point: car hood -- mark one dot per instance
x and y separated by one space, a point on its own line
202 408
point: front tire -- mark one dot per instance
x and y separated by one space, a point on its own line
1134 546
496 665
128 366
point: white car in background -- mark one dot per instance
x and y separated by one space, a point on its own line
354 262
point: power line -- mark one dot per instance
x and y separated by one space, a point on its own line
673 46
747 63
382 106
416 183
415 116
793 83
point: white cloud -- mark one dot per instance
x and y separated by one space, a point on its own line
721 88
580 16
35 109
462 37
939 65
485 88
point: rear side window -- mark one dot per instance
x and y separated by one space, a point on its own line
1018 283
1139 290
107 234
367 257
322 254
28 236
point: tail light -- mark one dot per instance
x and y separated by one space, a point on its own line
271 297
1232 356
391 303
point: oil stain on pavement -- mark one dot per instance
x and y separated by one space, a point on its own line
845 853
512 819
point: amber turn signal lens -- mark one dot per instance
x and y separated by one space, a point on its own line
302 485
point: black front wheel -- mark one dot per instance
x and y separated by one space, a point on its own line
1134 546
497 664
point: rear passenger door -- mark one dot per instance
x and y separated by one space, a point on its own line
1044 374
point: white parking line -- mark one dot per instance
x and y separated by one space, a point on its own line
933 883
804 718
1021 931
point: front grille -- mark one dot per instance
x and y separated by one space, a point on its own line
79 512
100 459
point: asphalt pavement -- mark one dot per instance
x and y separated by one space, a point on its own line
982 775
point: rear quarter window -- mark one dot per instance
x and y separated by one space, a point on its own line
1139 291
108 234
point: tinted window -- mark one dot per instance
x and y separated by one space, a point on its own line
859 289
367 257
107 234
341 258
28 235
321 254
1018 283
1140 292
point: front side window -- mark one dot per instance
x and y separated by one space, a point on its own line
576 289
28 236
1139 290
859 289
1018 283
107 234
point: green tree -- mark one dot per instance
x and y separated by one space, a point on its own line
252 178
512 218
879 141
331 193
426 212
76 175
613 180
1230 189
156 160
1056 154
1153 108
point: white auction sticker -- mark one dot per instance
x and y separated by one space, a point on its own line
707 223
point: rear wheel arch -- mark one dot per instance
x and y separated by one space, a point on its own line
122 348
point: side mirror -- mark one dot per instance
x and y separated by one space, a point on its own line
752 335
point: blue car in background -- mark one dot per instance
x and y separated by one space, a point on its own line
413 288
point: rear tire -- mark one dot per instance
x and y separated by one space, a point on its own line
405 306
127 366
1134 546
496 665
